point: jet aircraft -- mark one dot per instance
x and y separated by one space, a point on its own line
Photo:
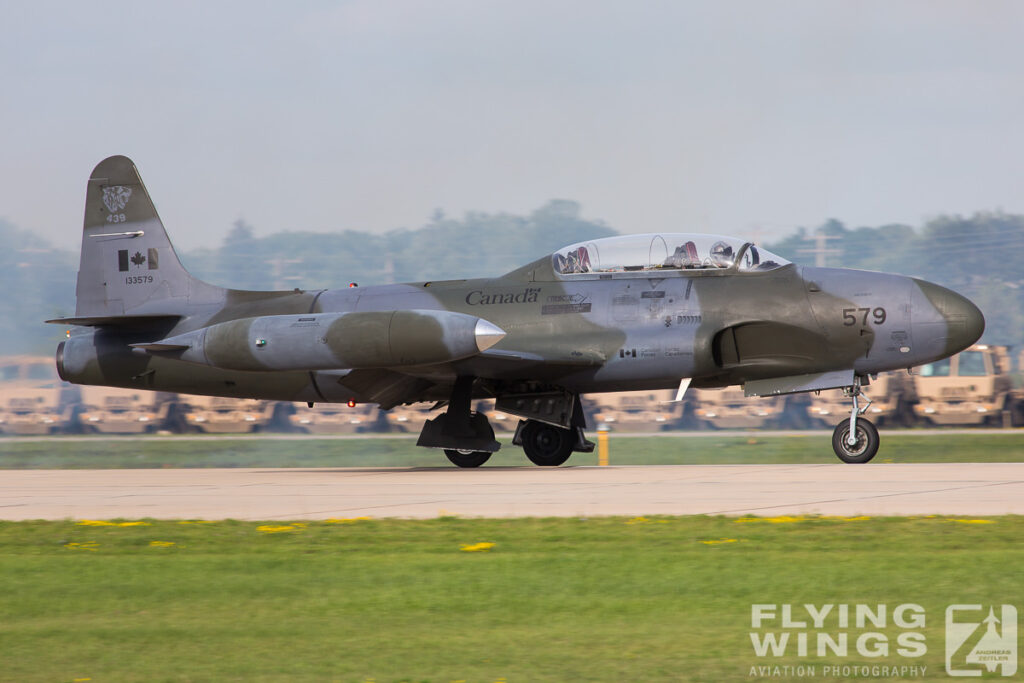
647 311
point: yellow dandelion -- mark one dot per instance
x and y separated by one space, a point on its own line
782 519
91 545
162 544
346 520
134 524
195 521
974 521
95 522
276 529
718 541
476 547
646 520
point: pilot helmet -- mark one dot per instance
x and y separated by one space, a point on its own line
721 254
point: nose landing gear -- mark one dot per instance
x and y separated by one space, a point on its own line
855 440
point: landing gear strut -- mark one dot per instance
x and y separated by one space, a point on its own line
855 440
466 437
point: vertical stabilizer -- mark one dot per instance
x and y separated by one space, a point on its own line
128 264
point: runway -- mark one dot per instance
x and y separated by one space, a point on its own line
309 494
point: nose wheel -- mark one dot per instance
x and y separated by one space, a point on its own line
855 440
865 441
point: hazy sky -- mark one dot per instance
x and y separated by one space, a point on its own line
717 116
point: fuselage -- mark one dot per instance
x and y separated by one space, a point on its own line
590 334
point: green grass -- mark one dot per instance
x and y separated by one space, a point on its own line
755 448
607 599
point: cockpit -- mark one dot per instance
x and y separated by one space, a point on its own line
663 252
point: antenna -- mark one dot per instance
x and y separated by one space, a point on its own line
821 251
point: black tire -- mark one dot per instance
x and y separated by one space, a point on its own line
547 445
467 458
866 446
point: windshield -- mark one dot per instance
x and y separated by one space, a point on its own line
939 368
665 251
972 364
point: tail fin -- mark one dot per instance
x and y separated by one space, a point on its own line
128 265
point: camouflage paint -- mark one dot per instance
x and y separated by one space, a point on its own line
584 333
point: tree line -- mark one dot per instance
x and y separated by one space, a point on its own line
981 256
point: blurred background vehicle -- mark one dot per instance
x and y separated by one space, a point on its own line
635 411
222 415
33 400
109 410
730 409
337 418
973 388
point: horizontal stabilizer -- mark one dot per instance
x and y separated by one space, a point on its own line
117 320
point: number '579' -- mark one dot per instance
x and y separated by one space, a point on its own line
853 316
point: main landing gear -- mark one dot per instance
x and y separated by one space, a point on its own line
855 440
546 445
467 437
550 441
467 458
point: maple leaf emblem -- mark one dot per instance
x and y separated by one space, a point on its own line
138 259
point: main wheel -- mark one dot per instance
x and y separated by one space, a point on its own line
546 445
467 458
865 447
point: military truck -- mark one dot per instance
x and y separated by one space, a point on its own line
110 410
973 387
409 418
337 418
892 397
635 411
501 422
33 400
730 408
223 415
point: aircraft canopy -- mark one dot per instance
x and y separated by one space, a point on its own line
662 252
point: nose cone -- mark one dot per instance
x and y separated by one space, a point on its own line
487 334
962 322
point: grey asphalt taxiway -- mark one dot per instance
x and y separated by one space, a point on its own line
296 494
